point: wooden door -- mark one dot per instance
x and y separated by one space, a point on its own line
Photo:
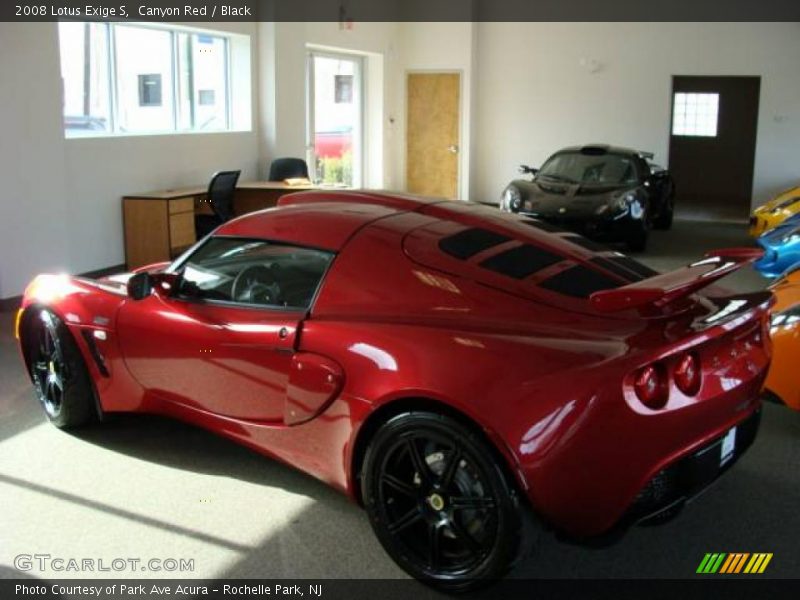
432 136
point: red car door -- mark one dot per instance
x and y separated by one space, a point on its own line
224 341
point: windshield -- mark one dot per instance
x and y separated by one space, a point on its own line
591 169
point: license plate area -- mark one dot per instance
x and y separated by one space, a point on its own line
727 447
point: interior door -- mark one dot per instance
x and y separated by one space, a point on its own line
231 361
432 134
712 145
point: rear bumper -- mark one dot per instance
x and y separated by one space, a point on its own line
611 462
687 477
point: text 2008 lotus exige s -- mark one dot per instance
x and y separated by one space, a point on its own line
452 367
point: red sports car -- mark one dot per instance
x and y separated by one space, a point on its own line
452 367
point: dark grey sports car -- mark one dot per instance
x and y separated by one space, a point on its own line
606 193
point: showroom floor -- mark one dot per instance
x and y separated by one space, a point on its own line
151 488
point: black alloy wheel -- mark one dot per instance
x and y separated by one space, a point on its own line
60 378
440 503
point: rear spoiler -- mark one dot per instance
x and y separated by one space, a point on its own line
660 290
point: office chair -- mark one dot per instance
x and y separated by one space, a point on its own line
284 168
220 195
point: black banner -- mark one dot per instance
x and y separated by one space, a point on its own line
732 588
401 10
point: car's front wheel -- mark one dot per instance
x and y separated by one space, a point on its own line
60 379
440 502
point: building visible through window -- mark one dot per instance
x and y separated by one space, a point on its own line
120 78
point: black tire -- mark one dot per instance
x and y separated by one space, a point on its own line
440 503
664 220
638 241
60 378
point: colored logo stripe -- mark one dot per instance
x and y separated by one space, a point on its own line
734 563
758 563
721 562
711 563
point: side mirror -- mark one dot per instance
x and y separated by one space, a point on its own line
140 286
525 169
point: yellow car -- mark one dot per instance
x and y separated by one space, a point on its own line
776 211
783 379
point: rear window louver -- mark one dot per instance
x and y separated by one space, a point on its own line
521 262
609 265
579 282
583 242
543 225
643 271
470 242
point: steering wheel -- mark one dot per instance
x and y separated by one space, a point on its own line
256 284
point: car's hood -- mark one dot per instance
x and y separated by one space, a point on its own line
552 198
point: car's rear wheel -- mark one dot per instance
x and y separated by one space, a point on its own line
440 503
60 378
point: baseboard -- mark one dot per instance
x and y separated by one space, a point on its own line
12 303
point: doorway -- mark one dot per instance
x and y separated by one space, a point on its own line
433 107
335 138
713 144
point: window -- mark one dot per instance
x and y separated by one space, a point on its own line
470 242
521 262
121 79
695 114
579 282
253 272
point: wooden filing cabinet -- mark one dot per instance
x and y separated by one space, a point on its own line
157 229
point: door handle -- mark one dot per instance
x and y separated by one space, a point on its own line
453 149
283 333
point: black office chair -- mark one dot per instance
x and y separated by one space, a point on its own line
220 195
284 168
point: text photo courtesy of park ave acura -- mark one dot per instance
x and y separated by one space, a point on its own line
168 590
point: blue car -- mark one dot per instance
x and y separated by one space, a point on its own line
781 248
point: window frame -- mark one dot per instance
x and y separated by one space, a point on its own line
113 92
177 266
360 77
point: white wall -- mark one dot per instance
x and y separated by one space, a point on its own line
534 96
60 199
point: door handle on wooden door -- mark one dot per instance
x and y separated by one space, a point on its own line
453 149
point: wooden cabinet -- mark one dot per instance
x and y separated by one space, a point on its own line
157 229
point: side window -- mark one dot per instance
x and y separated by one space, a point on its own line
253 272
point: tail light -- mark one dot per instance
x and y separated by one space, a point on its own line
651 386
688 375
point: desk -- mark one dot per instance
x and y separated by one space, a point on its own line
159 225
